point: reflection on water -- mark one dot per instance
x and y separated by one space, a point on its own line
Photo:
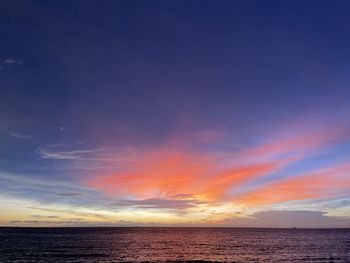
173 244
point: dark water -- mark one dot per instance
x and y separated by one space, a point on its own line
173 244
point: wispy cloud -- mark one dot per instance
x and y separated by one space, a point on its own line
20 135
69 212
42 216
62 152
171 179
50 222
327 183
46 153
70 194
159 203
11 61
32 181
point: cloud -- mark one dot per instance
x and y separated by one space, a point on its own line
190 180
32 181
41 216
326 183
97 159
62 152
298 146
20 136
65 154
9 61
167 171
12 61
158 203
60 222
47 190
69 212
291 218
70 194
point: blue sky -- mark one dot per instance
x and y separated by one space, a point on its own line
175 113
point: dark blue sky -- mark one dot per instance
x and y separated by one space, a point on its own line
216 63
118 78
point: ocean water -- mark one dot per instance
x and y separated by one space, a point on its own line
173 245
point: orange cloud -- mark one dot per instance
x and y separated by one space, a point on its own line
217 186
172 172
157 173
329 183
169 173
298 145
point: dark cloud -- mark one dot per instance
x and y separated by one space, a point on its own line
292 218
69 222
69 212
48 222
42 216
158 203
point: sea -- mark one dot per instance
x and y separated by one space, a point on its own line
146 244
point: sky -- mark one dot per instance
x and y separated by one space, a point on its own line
175 113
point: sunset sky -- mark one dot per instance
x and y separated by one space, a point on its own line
175 113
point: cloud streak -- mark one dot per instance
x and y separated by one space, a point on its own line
20 136
328 183
291 218
100 156
159 203
210 178
46 153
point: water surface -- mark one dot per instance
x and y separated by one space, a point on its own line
173 245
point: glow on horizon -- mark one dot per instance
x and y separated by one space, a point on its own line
178 185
